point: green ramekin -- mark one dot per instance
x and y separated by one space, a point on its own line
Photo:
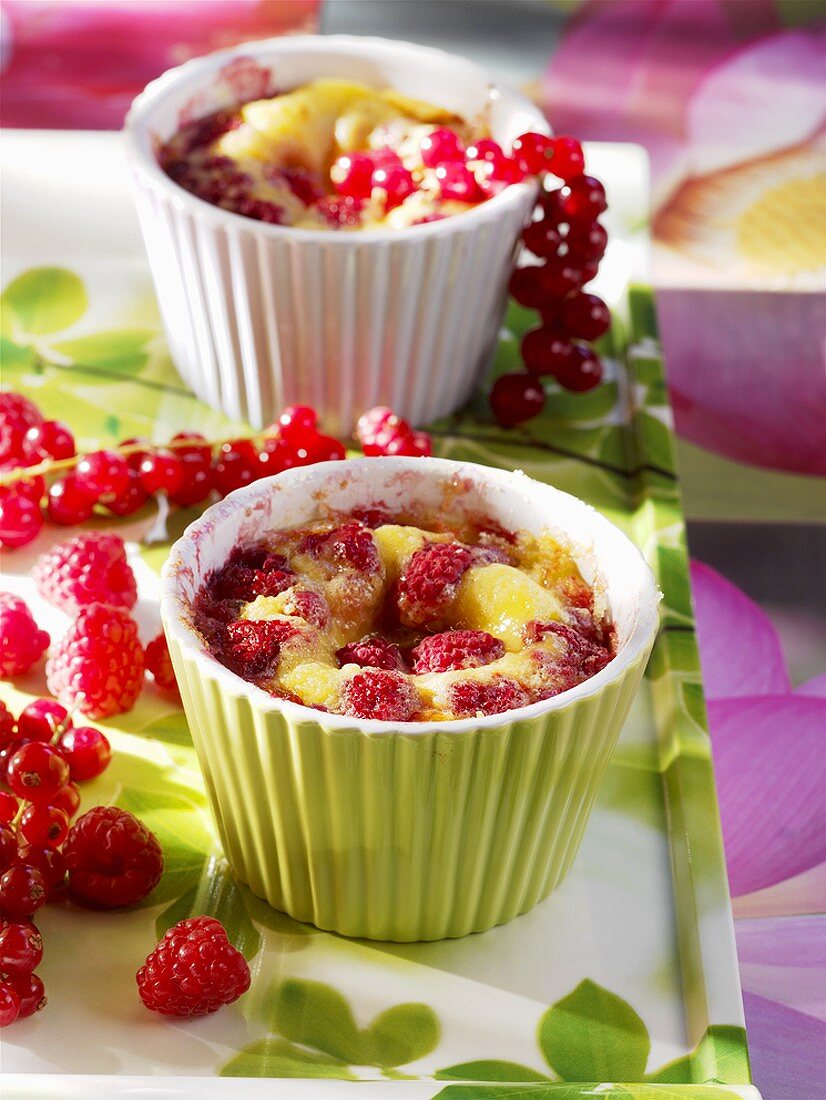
410 831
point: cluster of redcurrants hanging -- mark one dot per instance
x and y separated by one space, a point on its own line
567 242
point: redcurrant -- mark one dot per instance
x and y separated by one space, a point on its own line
458 183
583 199
132 498
20 520
534 153
51 439
48 861
545 350
298 424
527 288
21 948
68 503
86 750
236 465
8 847
198 481
36 772
441 146
581 371
352 175
23 890
542 238
162 472
516 398
587 241
44 826
395 181
31 992
68 799
9 1004
585 315
8 807
199 447
568 160
41 719
102 474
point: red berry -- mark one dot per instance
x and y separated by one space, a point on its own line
193 971
36 772
52 439
252 647
516 398
496 172
298 425
8 843
527 288
198 482
29 988
17 415
135 458
159 663
542 238
68 799
372 421
23 890
9 1004
568 160
22 642
86 751
339 210
585 315
98 663
48 861
44 826
20 520
8 808
261 210
485 150
85 570
534 153
131 499
102 474
430 580
8 726
112 859
21 948
199 448
474 698
30 488
326 449
373 652
379 694
404 442
586 241
395 181
352 175
584 199
582 370
560 276
162 472
236 465
68 503
456 649
545 350
458 183
40 720
441 146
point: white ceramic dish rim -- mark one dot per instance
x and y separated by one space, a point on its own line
175 609
140 152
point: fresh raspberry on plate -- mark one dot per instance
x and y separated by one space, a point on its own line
193 971
159 663
22 642
376 693
112 859
430 580
456 649
475 698
374 652
98 663
87 569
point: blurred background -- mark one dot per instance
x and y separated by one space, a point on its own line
729 99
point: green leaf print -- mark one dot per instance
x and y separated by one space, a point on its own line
15 356
552 1090
46 299
594 1035
489 1070
278 1058
316 1015
401 1034
104 347
721 1055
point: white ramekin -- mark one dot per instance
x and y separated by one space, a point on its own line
404 831
258 316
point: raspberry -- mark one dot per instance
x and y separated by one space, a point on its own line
430 580
583 657
456 649
112 859
17 415
86 569
308 605
474 698
353 545
98 663
238 582
193 971
252 646
159 663
22 642
388 696
375 652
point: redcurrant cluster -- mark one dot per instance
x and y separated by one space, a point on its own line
189 470
42 757
568 242
381 432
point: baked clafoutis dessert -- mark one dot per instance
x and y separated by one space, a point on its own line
337 154
405 618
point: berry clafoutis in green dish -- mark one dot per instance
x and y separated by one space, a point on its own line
403 618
